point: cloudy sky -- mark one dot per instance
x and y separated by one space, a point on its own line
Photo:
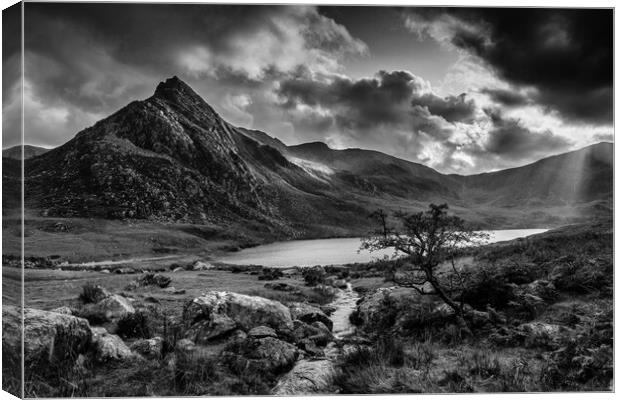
459 89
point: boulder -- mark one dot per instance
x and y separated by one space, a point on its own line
202 266
124 270
185 345
267 354
262 332
330 280
372 307
340 283
541 288
307 377
317 332
328 309
310 348
172 290
540 334
63 310
50 338
109 347
150 348
309 314
213 328
245 311
113 307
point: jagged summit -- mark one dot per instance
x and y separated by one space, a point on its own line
177 92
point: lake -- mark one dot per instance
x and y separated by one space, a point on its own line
305 253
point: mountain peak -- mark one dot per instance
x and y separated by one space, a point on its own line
175 89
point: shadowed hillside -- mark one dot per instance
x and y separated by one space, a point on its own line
172 158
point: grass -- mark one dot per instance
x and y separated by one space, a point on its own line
500 356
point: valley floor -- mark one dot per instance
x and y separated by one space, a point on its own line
544 322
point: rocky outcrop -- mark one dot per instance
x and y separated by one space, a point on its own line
202 266
309 314
262 332
113 307
109 347
216 313
266 354
50 338
306 378
373 306
63 310
150 348
316 332
214 327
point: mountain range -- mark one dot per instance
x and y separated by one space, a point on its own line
172 158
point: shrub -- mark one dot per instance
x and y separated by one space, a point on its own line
270 274
92 293
314 275
134 325
151 279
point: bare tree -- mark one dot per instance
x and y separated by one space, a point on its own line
427 239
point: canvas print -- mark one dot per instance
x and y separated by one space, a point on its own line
223 200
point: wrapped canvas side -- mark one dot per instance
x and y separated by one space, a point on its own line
12 201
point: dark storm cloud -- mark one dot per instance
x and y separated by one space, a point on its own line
451 108
510 139
11 75
84 61
566 55
392 98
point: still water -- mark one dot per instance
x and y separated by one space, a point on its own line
305 253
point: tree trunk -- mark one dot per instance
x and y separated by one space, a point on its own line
446 299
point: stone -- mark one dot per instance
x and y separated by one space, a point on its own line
172 290
317 332
178 269
246 311
202 266
213 328
340 284
114 307
150 348
261 332
50 338
328 309
124 271
309 314
311 348
307 377
540 334
109 347
63 310
269 354
185 345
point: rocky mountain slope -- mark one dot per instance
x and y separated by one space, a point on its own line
171 157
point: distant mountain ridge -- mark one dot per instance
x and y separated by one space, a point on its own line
30 151
171 157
